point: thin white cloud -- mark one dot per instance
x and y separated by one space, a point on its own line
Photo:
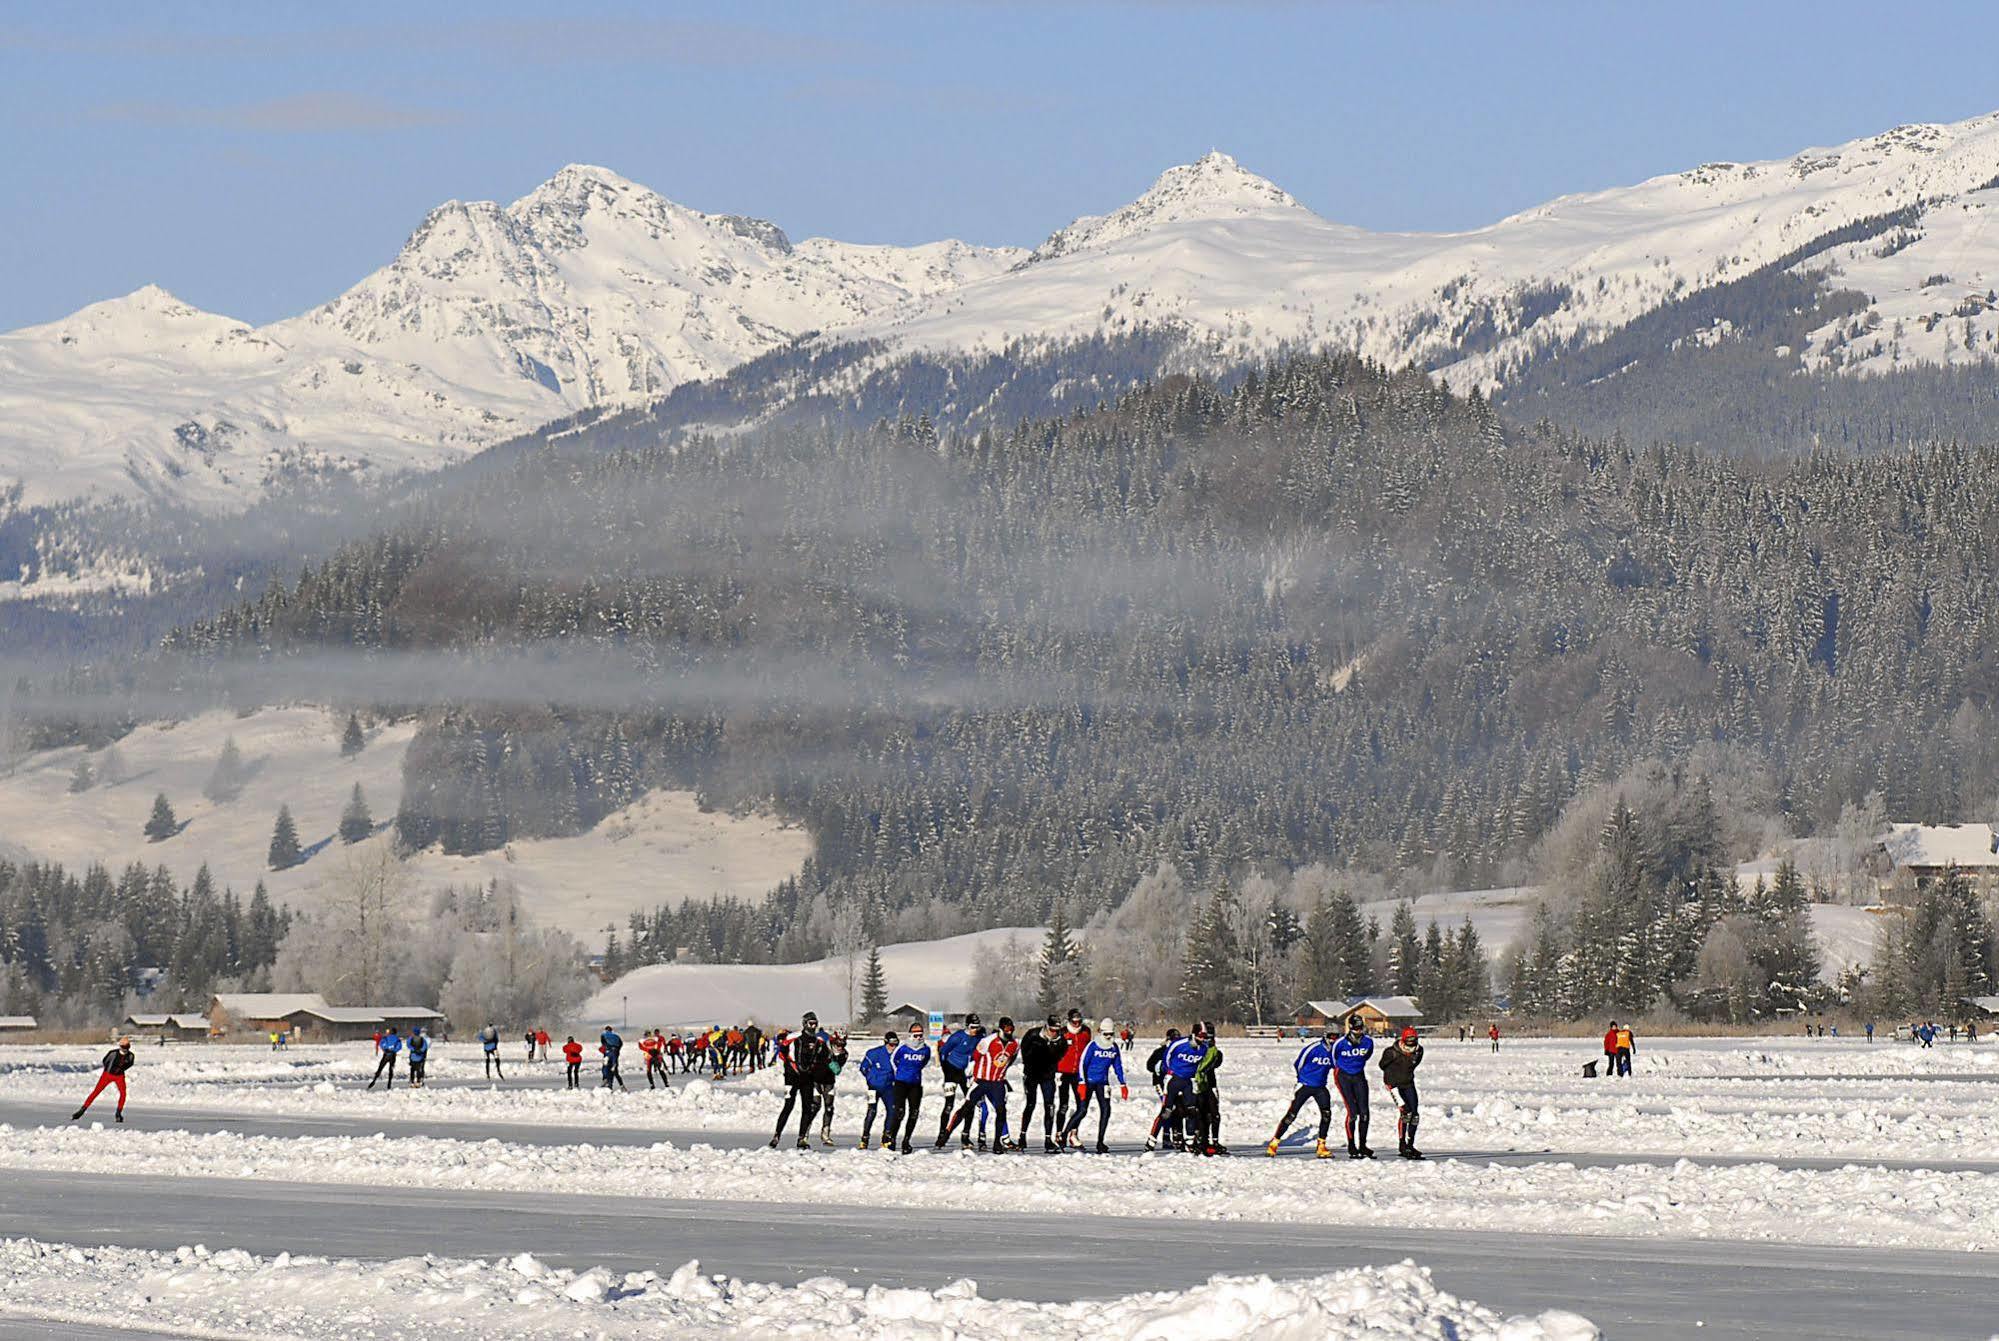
299 114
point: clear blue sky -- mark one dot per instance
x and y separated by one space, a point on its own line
258 159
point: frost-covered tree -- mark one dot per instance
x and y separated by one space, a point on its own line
285 852
356 823
161 824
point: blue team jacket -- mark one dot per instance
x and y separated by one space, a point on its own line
878 1067
908 1063
392 1043
611 1043
1183 1057
956 1049
419 1047
1100 1059
1351 1055
1315 1063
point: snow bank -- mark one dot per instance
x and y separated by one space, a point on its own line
1855 1206
196 1292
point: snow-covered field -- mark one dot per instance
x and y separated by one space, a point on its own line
1813 1143
1754 1100
1763 1098
236 1293
659 850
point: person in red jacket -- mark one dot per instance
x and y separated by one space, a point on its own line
1610 1049
541 1042
116 1063
572 1053
1075 1042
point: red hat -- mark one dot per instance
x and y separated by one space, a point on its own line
1409 1034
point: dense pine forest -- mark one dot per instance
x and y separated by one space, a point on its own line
1326 614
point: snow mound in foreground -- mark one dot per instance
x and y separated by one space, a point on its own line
521 1296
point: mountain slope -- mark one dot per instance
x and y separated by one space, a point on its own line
590 290
593 291
1907 218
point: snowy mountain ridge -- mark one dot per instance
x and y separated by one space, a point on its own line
592 290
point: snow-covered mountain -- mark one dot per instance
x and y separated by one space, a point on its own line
592 290
1239 262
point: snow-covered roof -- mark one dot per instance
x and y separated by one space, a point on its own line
1988 1004
18 1022
345 1014
189 1021
1394 1007
265 1005
1968 845
147 1021
407 1012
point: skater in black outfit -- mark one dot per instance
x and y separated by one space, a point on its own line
1040 1050
1398 1072
806 1059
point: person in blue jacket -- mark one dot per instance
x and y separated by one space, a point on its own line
489 1039
954 1059
610 1044
1313 1065
878 1074
389 1047
419 1051
1100 1059
1177 1105
906 1065
1350 1056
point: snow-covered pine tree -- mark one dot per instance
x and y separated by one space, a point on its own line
161 824
356 823
225 780
285 851
874 989
1055 987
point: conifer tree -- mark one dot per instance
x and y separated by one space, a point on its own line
1057 984
111 768
352 741
874 989
355 821
225 780
161 825
285 851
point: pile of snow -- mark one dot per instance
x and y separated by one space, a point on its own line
661 849
236 1292
935 975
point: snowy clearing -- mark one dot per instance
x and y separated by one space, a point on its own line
661 849
236 1294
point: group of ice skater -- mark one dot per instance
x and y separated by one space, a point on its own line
1067 1070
